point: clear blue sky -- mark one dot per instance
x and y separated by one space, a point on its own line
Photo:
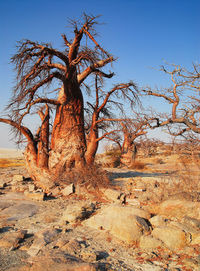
141 33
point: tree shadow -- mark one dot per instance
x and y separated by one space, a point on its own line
5 229
114 176
131 174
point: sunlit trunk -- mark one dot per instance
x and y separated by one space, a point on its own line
68 143
92 146
43 145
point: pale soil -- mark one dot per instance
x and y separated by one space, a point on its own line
98 247
10 153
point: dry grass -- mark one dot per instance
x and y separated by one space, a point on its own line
11 162
111 158
137 165
185 184
92 177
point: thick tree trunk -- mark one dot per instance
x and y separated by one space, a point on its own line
39 174
92 140
126 143
92 146
43 145
129 149
68 143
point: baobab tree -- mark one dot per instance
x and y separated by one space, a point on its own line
101 114
132 129
126 132
183 97
38 67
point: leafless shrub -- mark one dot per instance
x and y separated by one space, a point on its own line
112 158
88 177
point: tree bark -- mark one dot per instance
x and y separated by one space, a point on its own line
43 145
68 143
92 146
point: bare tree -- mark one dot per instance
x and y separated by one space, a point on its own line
102 117
183 96
128 131
132 129
39 65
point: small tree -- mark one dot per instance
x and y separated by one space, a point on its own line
39 65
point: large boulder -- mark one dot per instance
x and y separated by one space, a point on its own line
125 222
172 237
180 208
77 212
112 194
157 221
149 243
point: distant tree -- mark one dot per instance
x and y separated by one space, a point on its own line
132 129
102 118
183 96
128 132
38 65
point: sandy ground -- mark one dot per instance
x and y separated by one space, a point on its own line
10 153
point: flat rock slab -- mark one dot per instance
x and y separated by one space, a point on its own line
19 211
12 196
5 204
125 222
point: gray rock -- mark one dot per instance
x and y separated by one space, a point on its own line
42 238
31 187
157 221
35 195
180 208
172 237
149 243
123 222
78 211
5 204
36 247
192 221
112 194
11 239
58 261
19 211
68 190
17 179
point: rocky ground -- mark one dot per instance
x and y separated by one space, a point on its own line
132 225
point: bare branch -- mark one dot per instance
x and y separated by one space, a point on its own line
106 134
22 129
92 68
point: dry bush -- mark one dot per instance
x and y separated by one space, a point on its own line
137 165
111 158
12 162
185 185
184 180
190 173
89 177
185 188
